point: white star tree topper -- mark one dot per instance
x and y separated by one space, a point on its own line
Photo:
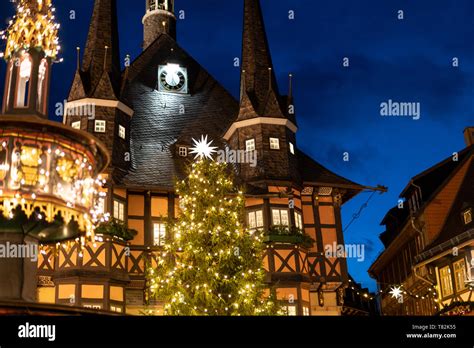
202 148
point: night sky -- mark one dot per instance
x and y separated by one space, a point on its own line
338 108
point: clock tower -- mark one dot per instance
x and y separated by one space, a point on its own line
159 19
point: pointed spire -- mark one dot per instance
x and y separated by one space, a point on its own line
258 83
102 49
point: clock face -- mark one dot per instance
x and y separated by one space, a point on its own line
173 78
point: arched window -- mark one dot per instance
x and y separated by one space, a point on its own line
166 5
23 82
42 81
151 5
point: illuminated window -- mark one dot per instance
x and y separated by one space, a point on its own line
467 216
183 151
460 274
289 310
76 125
119 209
159 234
446 281
306 311
255 219
280 217
99 126
292 148
250 145
93 306
24 75
116 309
298 220
274 143
121 132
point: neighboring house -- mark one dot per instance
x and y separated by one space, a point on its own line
429 244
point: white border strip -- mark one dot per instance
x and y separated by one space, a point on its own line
260 120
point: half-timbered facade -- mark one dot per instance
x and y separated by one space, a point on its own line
429 241
147 116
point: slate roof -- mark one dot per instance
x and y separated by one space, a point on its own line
454 225
431 181
259 89
92 80
313 172
158 126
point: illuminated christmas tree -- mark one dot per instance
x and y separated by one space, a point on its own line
212 264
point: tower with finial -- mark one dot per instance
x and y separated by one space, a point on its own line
266 122
159 19
31 48
94 102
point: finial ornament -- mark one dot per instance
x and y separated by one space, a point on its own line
33 26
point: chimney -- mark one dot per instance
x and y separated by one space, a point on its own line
469 136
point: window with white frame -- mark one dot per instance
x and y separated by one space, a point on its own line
289 310
255 219
280 217
99 126
446 281
183 151
159 234
274 144
122 132
467 216
292 148
250 145
298 220
76 125
119 210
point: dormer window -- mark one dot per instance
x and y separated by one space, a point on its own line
122 132
183 151
250 145
467 215
165 5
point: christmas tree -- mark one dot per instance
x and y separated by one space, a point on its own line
211 264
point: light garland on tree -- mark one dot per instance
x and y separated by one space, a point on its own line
33 26
212 265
